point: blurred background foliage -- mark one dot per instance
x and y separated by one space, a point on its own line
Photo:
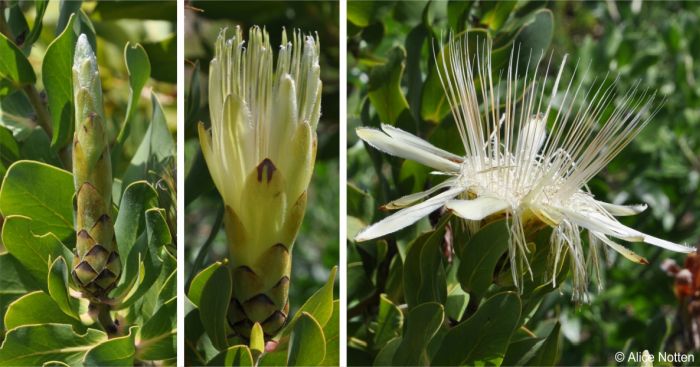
390 80
316 247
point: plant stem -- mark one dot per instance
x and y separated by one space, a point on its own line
105 319
42 114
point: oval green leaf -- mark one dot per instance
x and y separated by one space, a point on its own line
35 345
483 338
41 192
307 344
58 288
114 352
422 323
213 306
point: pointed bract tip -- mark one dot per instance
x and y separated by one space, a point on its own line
83 50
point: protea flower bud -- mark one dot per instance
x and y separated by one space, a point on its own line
260 151
96 265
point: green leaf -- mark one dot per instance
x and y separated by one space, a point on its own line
535 35
14 283
200 280
434 103
547 354
40 8
389 322
37 147
384 89
16 112
145 9
66 10
156 149
479 257
17 24
456 304
37 308
238 355
150 256
331 332
163 54
361 13
32 251
118 351
422 323
213 306
41 192
139 69
319 305
58 288
307 345
424 278
521 350
385 357
494 14
14 66
137 199
458 13
158 338
169 288
496 320
57 75
9 150
157 228
38 344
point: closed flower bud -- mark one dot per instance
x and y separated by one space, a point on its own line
96 264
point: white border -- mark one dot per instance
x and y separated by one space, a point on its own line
180 31
343 175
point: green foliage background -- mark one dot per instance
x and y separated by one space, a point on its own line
651 42
316 248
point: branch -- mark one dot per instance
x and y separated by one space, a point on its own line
42 114
105 319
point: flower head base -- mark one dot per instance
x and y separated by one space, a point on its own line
528 156
260 151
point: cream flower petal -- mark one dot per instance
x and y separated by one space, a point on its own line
405 217
622 250
407 200
611 227
408 138
419 153
477 209
622 210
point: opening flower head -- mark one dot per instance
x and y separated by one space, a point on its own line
259 112
525 159
263 125
260 151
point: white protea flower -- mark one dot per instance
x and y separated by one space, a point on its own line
524 159
260 152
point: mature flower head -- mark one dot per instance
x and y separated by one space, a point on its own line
524 159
